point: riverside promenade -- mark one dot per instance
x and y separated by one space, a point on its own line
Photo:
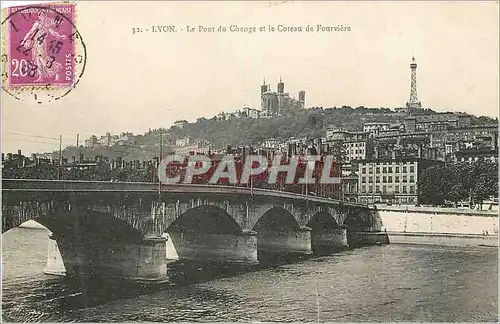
440 226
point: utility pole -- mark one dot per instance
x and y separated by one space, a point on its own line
60 158
159 182
158 167
78 147
251 186
307 186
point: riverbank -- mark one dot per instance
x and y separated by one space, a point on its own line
438 210
443 239
438 222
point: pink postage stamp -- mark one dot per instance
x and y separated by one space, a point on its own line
44 50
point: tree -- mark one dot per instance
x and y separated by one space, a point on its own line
462 178
434 183
486 181
459 181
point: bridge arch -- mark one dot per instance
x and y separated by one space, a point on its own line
68 220
279 233
322 219
210 233
90 242
276 218
78 224
326 232
208 219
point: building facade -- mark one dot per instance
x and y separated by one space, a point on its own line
251 112
473 154
193 149
369 127
391 181
355 145
280 103
189 146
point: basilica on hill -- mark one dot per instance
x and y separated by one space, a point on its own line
279 103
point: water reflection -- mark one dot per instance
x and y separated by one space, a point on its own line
381 283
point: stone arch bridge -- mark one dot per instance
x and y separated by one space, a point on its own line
118 229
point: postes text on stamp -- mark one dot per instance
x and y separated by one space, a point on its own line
44 54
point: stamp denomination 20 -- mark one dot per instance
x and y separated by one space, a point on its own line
44 54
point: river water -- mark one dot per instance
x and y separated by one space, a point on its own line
379 283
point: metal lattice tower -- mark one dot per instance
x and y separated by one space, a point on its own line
413 103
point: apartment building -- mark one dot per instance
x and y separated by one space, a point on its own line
390 180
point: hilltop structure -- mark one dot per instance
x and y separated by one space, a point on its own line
280 103
413 103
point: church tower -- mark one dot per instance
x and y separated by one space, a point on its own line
263 87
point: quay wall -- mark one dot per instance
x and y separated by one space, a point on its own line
438 222
441 227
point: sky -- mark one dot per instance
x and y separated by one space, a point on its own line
133 82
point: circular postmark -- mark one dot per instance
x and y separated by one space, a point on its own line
44 55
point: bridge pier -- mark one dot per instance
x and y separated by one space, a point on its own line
55 264
230 248
142 261
285 241
356 239
329 238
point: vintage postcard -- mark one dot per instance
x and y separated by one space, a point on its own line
249 161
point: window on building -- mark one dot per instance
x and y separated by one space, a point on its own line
404 189
363 170
390 179
377 189
412 169
363 179
384 179
378 169
396 189
370 179
377 179
405 179
384 189
404 169
412 189
370 189
370 170
389 169
363 189
412 178
397 169
384 170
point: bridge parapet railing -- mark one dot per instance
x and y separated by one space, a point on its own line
34 185
439 210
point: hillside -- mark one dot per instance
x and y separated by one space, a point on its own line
247 131
312 122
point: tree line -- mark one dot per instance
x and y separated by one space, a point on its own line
459 181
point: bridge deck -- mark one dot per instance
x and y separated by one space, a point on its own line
36 185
